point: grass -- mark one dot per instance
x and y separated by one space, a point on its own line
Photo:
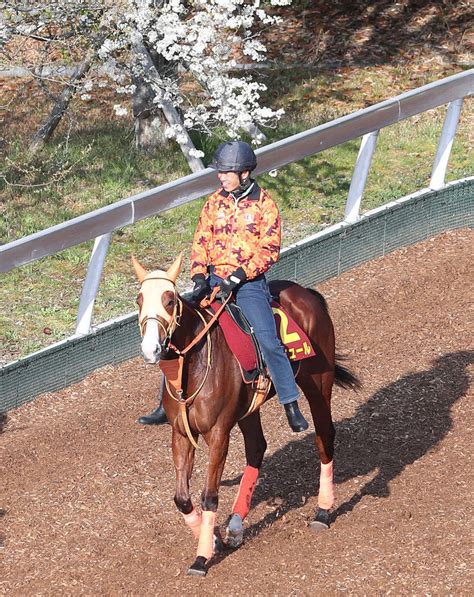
38 302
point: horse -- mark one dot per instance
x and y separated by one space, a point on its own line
178 333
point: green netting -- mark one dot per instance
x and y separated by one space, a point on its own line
312 261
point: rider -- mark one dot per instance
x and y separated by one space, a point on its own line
237 240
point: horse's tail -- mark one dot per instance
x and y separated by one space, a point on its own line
344 378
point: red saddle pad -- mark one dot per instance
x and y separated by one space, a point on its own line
293 338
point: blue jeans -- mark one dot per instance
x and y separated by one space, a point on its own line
253 297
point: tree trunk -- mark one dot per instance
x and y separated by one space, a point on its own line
153 79
149 119
47 129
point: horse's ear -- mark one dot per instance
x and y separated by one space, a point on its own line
173 270
139 270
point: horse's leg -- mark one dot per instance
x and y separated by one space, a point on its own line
183 458
255 446
218 442
317 389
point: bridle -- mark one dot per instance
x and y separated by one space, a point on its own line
169 329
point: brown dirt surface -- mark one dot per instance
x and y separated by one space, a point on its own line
86 503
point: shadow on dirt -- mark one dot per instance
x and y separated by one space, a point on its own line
397 426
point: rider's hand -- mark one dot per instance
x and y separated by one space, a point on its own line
230 283
200 290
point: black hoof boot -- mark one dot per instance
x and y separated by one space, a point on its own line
199 567
157 417
321 520
295 418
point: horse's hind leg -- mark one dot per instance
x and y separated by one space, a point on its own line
255 446
317 389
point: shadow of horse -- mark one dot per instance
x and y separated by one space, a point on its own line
398 425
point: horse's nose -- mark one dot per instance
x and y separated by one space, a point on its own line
151 353
151 345
153 358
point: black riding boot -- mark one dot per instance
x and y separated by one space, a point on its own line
295 417
158 416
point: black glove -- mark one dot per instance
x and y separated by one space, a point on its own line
230 283
200 290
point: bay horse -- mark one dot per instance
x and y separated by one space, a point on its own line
211 376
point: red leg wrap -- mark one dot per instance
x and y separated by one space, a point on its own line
247 485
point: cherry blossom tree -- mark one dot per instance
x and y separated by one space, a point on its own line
174 61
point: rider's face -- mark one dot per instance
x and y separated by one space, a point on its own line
230 180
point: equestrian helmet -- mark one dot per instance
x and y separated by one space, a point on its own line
234 156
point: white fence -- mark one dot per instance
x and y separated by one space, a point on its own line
100 223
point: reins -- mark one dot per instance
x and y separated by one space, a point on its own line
207 325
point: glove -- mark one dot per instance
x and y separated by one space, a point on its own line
230 283
200 290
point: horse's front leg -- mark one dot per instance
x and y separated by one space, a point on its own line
255 446
218 442
183 458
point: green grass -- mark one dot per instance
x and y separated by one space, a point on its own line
44 296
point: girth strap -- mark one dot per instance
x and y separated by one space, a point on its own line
183 409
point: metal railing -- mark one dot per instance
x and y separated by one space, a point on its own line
100 223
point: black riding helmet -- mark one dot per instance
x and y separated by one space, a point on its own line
234 156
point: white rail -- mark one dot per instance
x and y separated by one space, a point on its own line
100 223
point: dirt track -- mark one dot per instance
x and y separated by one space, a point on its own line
86 504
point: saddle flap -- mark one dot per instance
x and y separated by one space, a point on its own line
296 342
238 317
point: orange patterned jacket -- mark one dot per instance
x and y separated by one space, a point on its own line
237 233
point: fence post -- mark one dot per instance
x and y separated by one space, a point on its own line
359 176
445 144
91 283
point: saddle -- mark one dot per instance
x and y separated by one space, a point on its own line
243 343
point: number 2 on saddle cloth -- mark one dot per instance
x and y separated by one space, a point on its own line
293 338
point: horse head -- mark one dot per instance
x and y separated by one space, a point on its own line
158 307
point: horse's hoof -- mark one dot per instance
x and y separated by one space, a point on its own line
198 568
235 531
321 520
218 543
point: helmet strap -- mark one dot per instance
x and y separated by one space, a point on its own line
244 185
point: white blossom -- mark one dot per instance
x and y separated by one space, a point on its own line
120 110
196 153
201 40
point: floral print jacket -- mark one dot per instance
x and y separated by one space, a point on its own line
233 233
